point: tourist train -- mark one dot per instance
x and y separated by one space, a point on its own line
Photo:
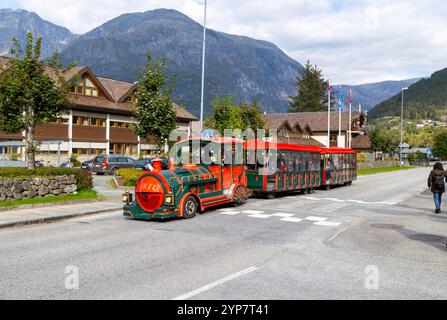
205 173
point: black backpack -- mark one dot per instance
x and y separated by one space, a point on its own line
439 182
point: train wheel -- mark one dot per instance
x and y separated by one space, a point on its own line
240 195
270 196
189 208
327 187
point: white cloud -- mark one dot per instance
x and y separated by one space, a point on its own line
352 41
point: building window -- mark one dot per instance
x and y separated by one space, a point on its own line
87 121
61 121
85 86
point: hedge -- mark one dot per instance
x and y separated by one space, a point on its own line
83 177
129 176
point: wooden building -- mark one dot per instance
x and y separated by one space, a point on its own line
98 122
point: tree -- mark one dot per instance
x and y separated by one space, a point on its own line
32 92
229 115
312 91
383 139
154 110
440 144
252 118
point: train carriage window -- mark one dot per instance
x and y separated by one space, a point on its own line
290 161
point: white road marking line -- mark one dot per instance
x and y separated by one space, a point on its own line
253 212
283 215
215 284
260 216
292 219
327 224
316 219
350 200
229 213
226 209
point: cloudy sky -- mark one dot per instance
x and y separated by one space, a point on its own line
353 41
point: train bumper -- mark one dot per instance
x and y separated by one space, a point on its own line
133 210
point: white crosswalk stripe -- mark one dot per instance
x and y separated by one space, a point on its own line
286 217
253 212
327 224
316 219
260 216
283 215
292 219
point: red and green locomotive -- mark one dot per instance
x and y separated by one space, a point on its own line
188 187
207 173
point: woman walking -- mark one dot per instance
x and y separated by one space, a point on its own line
436 182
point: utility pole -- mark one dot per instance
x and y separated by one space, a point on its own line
402 128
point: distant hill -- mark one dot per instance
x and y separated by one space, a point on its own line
239 66
371 94
17 23
426 99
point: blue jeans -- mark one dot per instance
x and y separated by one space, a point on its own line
438 200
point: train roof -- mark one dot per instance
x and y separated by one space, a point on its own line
259 144
336 151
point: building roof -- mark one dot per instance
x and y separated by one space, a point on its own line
361 142
317 121
116 93
119 90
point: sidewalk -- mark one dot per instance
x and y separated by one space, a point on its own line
24 217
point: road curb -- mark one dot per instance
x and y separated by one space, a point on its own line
47 220
49 205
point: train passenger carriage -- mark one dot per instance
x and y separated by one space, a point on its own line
338 167
206 174
282 168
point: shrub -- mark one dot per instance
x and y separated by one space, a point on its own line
361 157
129 176
84 179
75 161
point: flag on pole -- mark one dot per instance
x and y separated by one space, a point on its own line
340 100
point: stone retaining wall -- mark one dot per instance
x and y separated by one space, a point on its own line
376 164
39 187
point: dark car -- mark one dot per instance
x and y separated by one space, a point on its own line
143 164
111 164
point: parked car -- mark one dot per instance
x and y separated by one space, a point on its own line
111 164
144 164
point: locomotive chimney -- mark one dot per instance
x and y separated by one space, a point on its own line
157 164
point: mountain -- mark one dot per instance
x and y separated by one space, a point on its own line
235 65
16 23
425 99
371 94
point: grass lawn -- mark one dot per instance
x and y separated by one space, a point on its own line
382 170
82 195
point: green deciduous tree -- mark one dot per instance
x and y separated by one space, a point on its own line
384 139
440 144
229 115
312 91
154 109
32 92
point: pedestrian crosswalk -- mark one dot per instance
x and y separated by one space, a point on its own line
280 216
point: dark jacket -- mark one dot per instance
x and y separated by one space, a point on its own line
431 180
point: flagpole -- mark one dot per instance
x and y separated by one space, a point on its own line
202 97
340 106
350 119
329 115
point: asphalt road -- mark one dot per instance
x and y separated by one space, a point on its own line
376 239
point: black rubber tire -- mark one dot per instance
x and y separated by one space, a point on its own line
270 196
190 208
327 187
114 171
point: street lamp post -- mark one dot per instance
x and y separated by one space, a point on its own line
203 69
402 128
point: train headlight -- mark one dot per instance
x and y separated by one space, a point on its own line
127 197
169 200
